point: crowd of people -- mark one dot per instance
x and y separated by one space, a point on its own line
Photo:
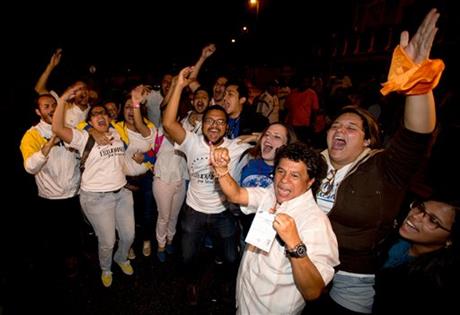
296 190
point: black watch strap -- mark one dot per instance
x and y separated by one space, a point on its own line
300 250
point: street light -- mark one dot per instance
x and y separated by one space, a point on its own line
255 3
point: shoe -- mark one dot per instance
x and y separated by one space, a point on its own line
170 249
208 242
218 260
106 278
131 254
192 294
126 268
147 249
161 256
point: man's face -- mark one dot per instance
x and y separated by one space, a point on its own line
112 109
214 126
291 180
46 107
166 84
219 89
233 104
200 101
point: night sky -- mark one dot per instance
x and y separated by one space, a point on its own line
174 32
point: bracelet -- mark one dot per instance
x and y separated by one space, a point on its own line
217 175
138 105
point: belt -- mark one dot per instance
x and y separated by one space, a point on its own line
112 192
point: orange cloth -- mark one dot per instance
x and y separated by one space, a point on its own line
409 78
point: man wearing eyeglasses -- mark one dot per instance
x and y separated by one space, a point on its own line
206 209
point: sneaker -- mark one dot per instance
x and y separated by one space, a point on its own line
161 256
147 249
131 254
106 278
126 268
170 249
218 260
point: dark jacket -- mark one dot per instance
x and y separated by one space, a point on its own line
369 199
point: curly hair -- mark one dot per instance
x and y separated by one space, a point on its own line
301 152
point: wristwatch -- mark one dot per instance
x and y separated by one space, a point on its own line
300 250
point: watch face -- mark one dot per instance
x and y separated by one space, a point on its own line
301 250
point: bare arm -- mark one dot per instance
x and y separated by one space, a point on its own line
137 96
205 53
170 123
419 111
59 127
307 278
50 144
40 86
220 159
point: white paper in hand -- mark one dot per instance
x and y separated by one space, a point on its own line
262 234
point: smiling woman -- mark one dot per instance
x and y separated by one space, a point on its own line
421 271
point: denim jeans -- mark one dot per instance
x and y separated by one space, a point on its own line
107 211
220 226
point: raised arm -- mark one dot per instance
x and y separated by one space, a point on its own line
170 123
59 128
419 112
40 86
220 160
205 53
138 95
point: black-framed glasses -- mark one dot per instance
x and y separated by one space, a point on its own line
328 184
218 122
433 222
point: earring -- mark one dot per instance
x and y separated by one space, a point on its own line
448 244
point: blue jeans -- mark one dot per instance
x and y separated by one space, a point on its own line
107 211
220 226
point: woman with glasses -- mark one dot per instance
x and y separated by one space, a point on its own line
366 184
421 269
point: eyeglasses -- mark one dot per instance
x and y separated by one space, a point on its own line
326 187
433 222
218 122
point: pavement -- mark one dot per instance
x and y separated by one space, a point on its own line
30 283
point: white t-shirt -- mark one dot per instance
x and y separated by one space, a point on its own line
137 143
265 283
204 193
105 163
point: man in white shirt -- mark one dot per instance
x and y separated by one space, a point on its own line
206 208
300 262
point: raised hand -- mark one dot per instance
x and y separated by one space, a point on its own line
183 78
208 50
56 58
286 228
419 47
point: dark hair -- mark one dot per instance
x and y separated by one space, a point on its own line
436 266
242 89
301 152
90 115
370 124
38 97
201 88
215 107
